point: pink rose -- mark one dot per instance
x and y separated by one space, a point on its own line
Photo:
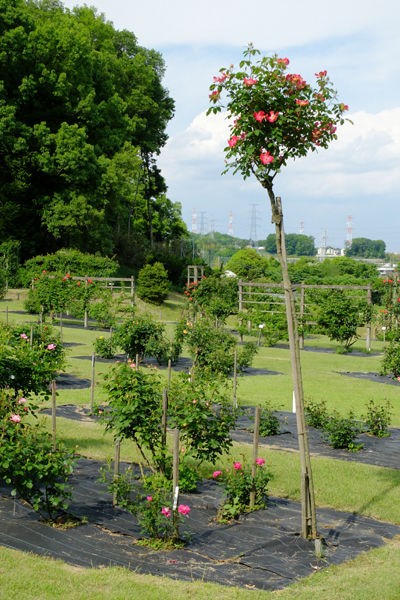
15 418
237 466
166 511
260 461
249 81
183 509
217 474
266 158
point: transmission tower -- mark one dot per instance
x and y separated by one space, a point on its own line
301 227
230 223
349 232
202 223
194 221
253 226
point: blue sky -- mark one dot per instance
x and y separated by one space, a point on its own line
358 176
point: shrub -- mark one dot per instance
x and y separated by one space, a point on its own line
211 348
316 414
238 483
153 283
342 432
149 499
245 355
105 347
391 359
135 408
29 366
378 419
139 336
340 316
269 422
215 296
68 261
202 410
37 471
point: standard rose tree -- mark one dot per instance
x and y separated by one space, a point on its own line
275 116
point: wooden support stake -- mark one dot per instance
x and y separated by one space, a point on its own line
175 460
175 482
93 382
117 455
169 371
164 428
255 454
235 402
53 411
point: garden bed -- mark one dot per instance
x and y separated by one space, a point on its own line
261 550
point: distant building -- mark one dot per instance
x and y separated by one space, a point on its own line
329 252
386 270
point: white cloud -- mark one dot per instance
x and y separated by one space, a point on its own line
288 23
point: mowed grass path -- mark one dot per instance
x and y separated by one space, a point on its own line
364 489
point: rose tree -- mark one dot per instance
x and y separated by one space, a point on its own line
275 116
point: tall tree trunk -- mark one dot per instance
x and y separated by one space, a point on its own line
308 510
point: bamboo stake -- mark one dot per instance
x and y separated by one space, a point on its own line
256 434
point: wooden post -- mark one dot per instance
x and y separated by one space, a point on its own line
132 290
369 300
302 306
164 419
308 507
169 372
235 402
175 481
93 382
117 455
255 454
53 411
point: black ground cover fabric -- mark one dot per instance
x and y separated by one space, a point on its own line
262 550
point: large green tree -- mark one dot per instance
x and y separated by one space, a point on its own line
83 114
297 244
366 248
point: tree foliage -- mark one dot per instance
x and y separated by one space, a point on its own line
296 244
248 264
365 248
83 114
153 283
340 316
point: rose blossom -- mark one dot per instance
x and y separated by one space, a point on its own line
183 509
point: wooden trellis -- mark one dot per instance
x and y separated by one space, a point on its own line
254 294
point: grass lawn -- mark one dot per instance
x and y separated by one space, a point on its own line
364 489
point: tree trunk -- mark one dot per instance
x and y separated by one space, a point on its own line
308 510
